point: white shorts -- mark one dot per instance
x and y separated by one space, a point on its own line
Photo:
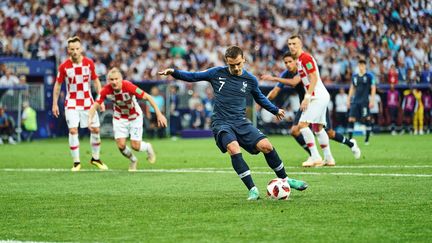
75 117
315 113
124 128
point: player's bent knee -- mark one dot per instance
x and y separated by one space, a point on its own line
295 130
73 131
331 133
233 148
264 146
94 129
302 125
136 145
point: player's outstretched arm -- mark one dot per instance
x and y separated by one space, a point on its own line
273 93
56 93
187 76
289 81
162 121
166 72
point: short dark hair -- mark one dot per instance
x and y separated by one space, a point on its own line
73 39
287 54
233 52
362 60
295 36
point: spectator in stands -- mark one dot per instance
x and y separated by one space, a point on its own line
198 117
9 79
28 122
151 113
393 103
6 126
426 74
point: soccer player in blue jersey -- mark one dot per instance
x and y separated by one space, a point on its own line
232 85
289 77
363 85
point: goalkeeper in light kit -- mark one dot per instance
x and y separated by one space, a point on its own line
128 118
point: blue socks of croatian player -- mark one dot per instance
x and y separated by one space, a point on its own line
300 140
275 163
242 170
342 139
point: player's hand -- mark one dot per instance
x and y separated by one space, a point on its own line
304 105
280 115
102 107
161 120
55 110
166 72
267 77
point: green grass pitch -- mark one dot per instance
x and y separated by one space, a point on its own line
193 195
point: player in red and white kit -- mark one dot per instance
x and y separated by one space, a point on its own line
78 71
128 118
314 105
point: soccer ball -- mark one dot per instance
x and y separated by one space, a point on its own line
278 189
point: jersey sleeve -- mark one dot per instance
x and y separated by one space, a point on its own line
102 95
194 76
61 74
282 75
308 64
260 98
372 79
93 71
134 90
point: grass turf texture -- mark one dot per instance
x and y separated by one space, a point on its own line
344 203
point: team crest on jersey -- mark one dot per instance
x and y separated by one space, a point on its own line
126 96
244 87
85 70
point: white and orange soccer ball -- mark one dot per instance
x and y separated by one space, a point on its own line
278 189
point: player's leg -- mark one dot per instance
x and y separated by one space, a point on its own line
393 118
127 152
324 142
420 120
95 140
274 162
136 131
295 132
121 133
72 120
353 114
226 141
340 138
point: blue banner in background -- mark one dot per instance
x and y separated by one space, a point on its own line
29 67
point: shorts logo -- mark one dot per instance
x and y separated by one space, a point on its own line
309 66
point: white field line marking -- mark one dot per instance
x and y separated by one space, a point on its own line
215 170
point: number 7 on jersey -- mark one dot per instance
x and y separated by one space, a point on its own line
222 84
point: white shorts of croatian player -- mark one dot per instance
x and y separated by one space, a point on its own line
124 128
75 117
315 113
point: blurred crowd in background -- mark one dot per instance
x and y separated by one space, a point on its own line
142 37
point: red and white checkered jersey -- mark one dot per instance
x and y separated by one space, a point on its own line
78 86
306 64
125 103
